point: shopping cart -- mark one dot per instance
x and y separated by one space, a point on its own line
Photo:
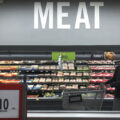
86 99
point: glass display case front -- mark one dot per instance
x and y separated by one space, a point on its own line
63 84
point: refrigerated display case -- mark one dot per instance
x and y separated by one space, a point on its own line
46 82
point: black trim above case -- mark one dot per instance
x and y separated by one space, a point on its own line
39 49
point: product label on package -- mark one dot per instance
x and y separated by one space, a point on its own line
9 104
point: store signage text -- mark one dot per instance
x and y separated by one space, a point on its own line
82 17
4 103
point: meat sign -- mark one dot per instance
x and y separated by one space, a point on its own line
82 16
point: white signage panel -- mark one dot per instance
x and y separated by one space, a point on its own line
9 104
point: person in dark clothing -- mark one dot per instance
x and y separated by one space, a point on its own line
115 82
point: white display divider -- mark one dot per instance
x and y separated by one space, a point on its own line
73 115
13 102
